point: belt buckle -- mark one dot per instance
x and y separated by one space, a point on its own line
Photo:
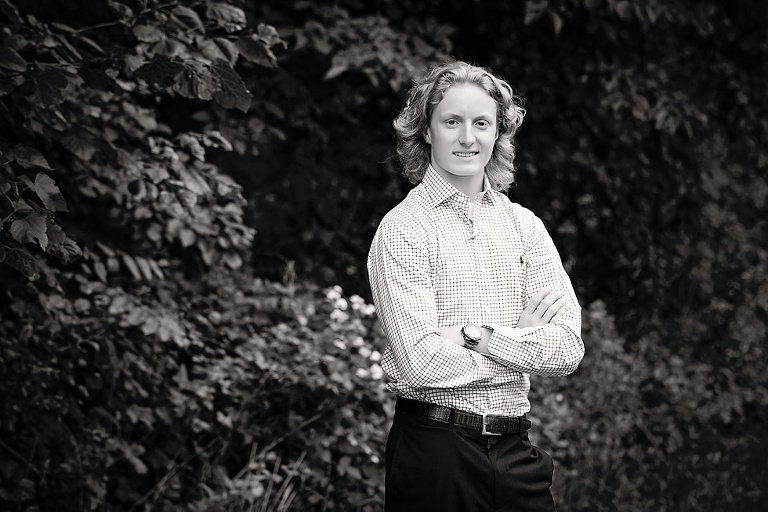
485 425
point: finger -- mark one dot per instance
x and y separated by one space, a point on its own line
560 314
546 303
536 300
546 309
553 310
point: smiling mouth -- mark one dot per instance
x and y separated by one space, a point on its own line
465 154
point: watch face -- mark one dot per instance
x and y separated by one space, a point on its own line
473 331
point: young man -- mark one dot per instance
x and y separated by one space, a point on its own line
473 298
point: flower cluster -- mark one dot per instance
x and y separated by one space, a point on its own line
348 316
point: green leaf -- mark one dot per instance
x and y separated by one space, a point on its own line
105 249
146 119
30 228
197 81
9 84
171 48
557 21
132 457
624 9
93 45
232 260
156 269
69 251
161 71
194 182
148 33
218 48
137 413
122 10
269 36
151 325
188 19
24 262
133 63
49 193
49 86
535 9
6 154
56 235
336 70
146 270
100 270
233 92
79 145
9 59
228 17
30 157
130 263
187 237
9 10
254 50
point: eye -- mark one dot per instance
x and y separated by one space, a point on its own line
482 123
451 122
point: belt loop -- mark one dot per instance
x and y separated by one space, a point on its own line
451 418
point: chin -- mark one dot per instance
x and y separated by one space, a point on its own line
466 173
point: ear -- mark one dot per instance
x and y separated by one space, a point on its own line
428 135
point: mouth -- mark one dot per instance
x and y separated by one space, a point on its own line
465 154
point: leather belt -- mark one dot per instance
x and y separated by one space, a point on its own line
488 424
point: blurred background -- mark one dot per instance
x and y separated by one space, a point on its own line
188 191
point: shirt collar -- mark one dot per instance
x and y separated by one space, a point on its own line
438 189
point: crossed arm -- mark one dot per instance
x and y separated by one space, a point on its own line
546 306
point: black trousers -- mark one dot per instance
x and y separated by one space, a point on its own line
434 466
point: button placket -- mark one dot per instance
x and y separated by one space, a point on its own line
481 259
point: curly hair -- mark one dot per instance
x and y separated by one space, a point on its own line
412 122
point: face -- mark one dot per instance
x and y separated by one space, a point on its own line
462 133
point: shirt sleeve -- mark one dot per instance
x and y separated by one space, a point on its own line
552 349
405 300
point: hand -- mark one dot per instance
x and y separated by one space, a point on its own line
544 307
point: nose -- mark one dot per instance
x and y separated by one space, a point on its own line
467 136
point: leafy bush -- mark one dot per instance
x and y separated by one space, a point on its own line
643 429
193 398
144 366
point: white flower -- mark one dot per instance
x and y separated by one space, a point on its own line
333 293
368 309
358 342
375 459
375 356
362 373
356 301
377 371
339 316
340 344
364 351
340 303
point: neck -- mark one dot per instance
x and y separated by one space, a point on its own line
468 185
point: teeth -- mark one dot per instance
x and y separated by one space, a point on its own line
465 154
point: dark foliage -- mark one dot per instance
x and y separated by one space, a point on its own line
184 185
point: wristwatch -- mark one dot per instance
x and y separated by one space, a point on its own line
472 335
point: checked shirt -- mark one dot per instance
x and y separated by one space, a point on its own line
431 266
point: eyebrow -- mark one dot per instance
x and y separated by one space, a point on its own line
483 116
